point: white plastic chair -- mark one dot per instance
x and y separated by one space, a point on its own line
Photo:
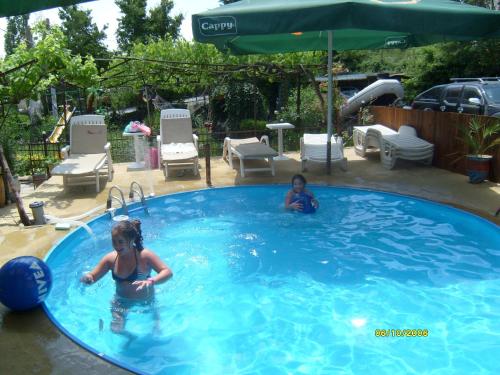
88 155
313 149
177 145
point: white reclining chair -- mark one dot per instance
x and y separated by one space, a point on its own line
313 148
362 143
249 149
392 145
89 154
177 145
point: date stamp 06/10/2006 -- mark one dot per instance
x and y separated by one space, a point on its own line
402 332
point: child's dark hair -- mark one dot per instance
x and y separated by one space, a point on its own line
131 230
299 177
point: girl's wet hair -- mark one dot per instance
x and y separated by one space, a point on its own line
131 230
299 177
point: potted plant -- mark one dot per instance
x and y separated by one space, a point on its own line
480 136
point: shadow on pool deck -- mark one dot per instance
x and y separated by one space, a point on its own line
29 343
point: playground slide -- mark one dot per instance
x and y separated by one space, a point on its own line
58 129
382 92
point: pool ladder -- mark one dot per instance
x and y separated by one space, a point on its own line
135 187
120 199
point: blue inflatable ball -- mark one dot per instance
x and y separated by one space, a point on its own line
25 282
306 201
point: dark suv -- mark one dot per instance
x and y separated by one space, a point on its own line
479 96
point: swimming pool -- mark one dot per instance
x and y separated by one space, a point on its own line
260 290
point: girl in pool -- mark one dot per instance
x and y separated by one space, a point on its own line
299 198
130 264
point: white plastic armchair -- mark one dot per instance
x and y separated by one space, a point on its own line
177 145
88 156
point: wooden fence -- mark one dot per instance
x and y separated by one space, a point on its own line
440 129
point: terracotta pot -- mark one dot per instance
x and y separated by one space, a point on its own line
478 168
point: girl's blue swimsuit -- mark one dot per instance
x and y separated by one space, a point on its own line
134 275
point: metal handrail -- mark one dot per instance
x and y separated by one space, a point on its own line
121 199
135 187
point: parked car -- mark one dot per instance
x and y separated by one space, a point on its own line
480 96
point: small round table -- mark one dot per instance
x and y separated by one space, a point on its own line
279 127
139 163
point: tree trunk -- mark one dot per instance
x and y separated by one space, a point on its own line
10 182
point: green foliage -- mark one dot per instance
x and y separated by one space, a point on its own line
54 62
132 25
17 31
135 26
181 80
21 165
160 25
310 115
251 124
480 135
83 36
8 145
437 64
123 98
238 100
366 116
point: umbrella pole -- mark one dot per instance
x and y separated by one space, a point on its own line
330 100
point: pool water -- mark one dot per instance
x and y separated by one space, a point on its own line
258 290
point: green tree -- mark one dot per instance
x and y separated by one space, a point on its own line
136 26
83 35
53 62
132 25
17 31
160 24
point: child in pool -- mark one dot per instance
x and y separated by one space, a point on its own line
130 264
294 198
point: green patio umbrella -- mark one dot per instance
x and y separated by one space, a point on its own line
10 8
275 26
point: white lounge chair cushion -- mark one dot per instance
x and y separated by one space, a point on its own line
407 142
315 147
88 139
80 164
178 151
236 142
383 130
176 130
248 150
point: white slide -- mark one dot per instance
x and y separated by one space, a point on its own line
390 88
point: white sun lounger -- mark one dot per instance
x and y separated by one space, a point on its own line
362 144
248 149
313 148
177 145
89 154
393 145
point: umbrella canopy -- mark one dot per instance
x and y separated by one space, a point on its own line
16 7
273 26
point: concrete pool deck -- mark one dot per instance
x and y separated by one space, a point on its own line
29 343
